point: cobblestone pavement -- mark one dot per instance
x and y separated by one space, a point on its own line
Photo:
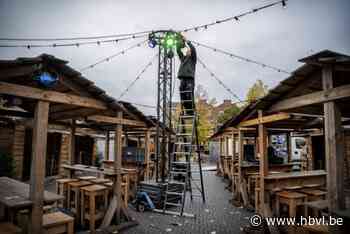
215 217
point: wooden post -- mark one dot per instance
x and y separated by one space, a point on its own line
147 153
233 163
37 173
263 168
118 165
107 146
219 158
334 145
72 143
289 147
115 205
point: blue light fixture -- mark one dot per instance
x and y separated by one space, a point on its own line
47 80
152 43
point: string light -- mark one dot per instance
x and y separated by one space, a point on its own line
109 58
236 17
137 77
116 37
218 80
248 60
77 44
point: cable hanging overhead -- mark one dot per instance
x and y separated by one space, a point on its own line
218 80
138 77
109 58
236 18
76 44
115 36
118 37
231 55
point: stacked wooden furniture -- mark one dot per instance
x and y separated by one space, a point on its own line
93 208
62 188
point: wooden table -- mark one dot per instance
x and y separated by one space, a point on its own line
99 171
296 178
14 195
253 167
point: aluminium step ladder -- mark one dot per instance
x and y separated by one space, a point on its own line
180 177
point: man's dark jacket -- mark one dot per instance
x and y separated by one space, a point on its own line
187 67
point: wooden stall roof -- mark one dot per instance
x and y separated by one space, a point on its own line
304 80
22 71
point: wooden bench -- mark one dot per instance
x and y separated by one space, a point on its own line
9 228
292 199
57 223
89 194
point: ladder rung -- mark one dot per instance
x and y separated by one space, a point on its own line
183 143
183 134
173 204
187 116
176 182
179 172
186 91
174 193
188 153
180 163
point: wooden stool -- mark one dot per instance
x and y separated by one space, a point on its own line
61 189
94 213
100 181
9 228
87 178
292 199
109 186
316 207
314 194
58 222
73 188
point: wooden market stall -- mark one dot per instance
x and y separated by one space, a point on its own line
313 100
44 93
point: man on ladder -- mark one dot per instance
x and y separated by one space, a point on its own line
186 139
188 57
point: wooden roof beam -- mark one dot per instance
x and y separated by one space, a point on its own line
50 96
312 98
116 120
265 119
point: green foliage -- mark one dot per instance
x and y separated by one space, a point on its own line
203 107
228 114
7 167
258 90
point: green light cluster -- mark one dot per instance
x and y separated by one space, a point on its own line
171 40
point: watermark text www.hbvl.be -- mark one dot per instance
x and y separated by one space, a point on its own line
256 220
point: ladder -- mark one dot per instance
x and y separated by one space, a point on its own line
180 177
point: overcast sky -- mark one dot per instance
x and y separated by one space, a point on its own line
275 36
